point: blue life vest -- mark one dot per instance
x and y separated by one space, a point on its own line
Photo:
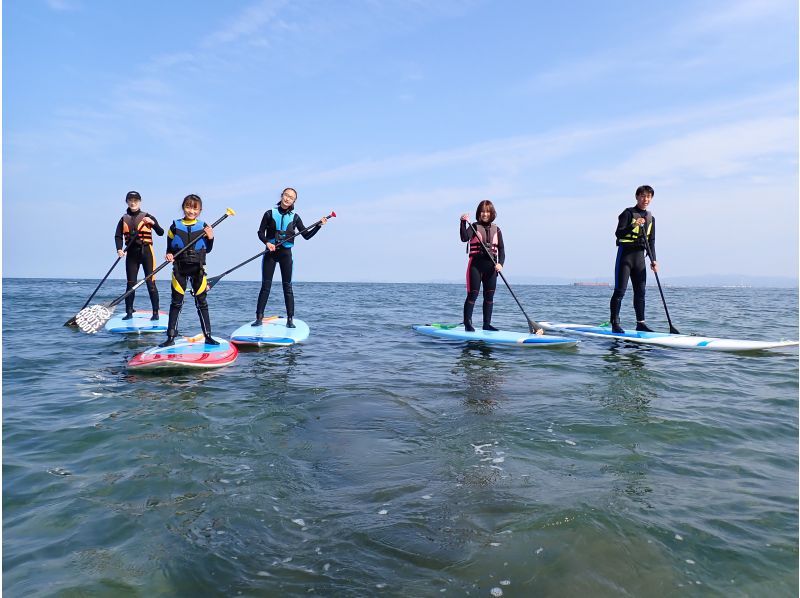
284 227
185 234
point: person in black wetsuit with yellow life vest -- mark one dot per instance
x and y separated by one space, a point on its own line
189 266
480 267
633 224
277 224
140 251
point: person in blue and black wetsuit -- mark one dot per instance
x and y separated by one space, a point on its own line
481 268
138 225
189 266
277 224
633 225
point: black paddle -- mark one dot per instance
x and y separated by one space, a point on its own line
212 281
91 319
533 327
672 328
72 321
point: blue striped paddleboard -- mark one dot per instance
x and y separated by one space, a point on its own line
456 332
665 339
272 333
139 324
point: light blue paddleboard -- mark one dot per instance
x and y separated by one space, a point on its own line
272 333
456 332
140 323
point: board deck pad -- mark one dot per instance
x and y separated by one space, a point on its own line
272 333
456 332
186 353
139 324
665 339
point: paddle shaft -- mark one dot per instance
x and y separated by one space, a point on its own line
212 281
164 265
71 321
532 325
672 328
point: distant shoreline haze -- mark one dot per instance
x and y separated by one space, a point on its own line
677 281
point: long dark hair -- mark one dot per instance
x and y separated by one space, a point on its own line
483 205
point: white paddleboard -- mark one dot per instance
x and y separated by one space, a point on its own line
272 333
140 323
665 339
456 332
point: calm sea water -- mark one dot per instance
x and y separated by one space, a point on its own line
374 461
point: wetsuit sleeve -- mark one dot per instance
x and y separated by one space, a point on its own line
170 237
267 222
466 232
501 248
156 226
298 225
624 224
209 244
652 240
118 235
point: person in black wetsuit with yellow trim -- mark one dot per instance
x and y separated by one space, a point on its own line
140 251
633 224
480 267
189 266
277 224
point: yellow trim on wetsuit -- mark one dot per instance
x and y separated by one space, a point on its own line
203 286
176 285
633 236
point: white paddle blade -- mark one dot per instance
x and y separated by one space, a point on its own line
91 319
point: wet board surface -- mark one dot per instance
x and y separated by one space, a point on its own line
272 333
665 339
456 332
139 324
186 353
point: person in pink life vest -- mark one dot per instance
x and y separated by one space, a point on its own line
481 268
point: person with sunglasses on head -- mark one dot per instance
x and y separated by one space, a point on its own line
278 224
136 228
483 236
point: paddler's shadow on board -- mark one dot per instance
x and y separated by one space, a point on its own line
483 377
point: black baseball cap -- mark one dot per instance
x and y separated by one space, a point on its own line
133 195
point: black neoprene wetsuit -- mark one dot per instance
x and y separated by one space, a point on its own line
630 262
480 269
282 256
138 253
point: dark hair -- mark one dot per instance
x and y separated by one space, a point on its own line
645 190
284 191
133 195
192 199
486 204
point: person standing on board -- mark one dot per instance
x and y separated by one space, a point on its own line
633 225
139 252
189 266
277 224
481 268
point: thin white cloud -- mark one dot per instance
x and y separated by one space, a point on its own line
247 23
63 5
713 152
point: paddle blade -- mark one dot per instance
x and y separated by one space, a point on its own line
71 322
673 330
93 318
210 282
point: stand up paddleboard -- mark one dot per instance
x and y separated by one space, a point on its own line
139 324
186 353
664 339
272 333
456 332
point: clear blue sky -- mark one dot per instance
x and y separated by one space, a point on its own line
401 115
